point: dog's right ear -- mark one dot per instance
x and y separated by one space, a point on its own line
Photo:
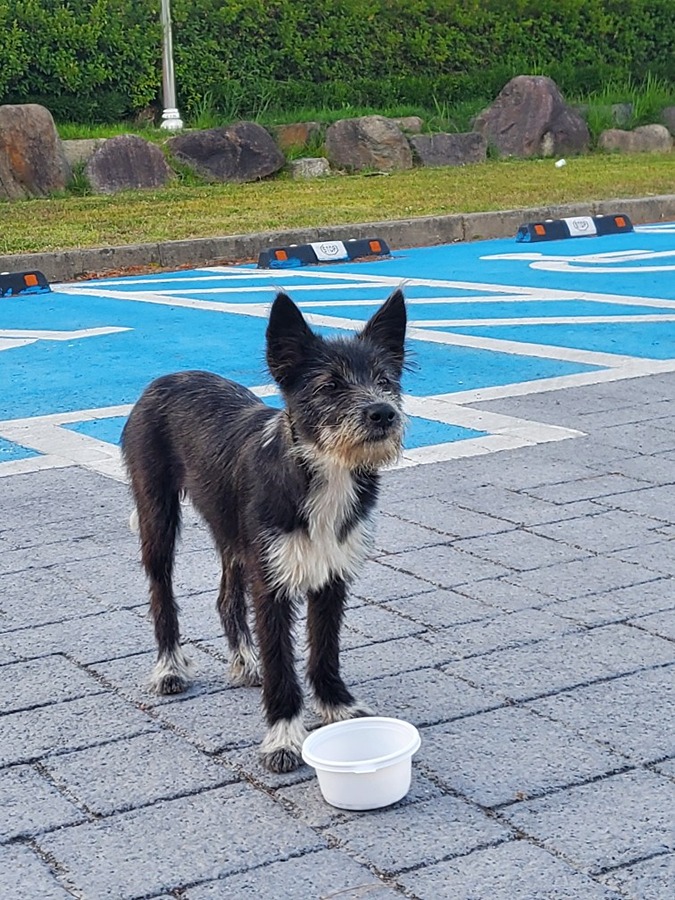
289 338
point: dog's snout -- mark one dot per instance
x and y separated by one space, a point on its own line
382 414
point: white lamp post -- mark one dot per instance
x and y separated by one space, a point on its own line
171 119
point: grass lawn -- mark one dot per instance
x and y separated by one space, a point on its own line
188 211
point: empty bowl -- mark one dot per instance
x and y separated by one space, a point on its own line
363 763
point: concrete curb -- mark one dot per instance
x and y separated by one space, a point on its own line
68 265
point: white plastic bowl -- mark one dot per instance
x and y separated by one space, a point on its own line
363 763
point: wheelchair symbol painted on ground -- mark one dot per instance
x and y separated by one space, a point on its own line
617 262
12 338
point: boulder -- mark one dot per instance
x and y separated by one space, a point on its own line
369 142
645 139
309 167
668 118
32 161
297 135
240 152
412 124
81 151
125 163
449 149
531 118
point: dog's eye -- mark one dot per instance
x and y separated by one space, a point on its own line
383 381
330 386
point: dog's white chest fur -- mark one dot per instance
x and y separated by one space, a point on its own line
306 560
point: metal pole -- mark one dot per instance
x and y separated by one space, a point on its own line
171 119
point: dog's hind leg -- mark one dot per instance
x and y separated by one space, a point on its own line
281 748
244 664
159 519
325 609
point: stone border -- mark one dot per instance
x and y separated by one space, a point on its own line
68 265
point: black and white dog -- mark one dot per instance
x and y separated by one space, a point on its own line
288 496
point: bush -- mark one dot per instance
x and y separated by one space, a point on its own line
102 60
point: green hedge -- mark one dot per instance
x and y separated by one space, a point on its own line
101 61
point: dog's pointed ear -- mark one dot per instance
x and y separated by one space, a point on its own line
387 328
288 337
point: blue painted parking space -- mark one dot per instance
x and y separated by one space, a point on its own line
487 320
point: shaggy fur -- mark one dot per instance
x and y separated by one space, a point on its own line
288 496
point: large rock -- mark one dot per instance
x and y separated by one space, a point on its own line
124 163
32 162
309 167
240 152
82 150
297 135
449 149
411 124
531 118
645 139
369 142
668 118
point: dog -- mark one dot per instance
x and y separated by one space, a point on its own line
288 495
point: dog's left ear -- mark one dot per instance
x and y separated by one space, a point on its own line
387 328
289 338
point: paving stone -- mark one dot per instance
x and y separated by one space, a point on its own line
380 583
25 876
51 554
389 658
136 771
516 870
245 761
620 605
564 662
39 597
657 557
198 617
445 566
369 624
520 550
197 571
216 721
609 823
642 437
38 682
420 834
506 755
71 725
212 834
426 696
667 768
116 578
596 574
440 609
498 632
106 635
30 804
447 518
661 623
392 535
323 874
310 806
653 502
519 508
657 469
625 713
589 488
500 593
604 531
652 879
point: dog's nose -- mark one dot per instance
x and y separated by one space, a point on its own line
381 414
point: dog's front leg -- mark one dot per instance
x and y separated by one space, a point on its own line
282 695
325 610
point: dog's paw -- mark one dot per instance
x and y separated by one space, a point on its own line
281 750
342 712
282 760
245 669
171 674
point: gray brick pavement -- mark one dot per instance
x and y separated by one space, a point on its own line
518 608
